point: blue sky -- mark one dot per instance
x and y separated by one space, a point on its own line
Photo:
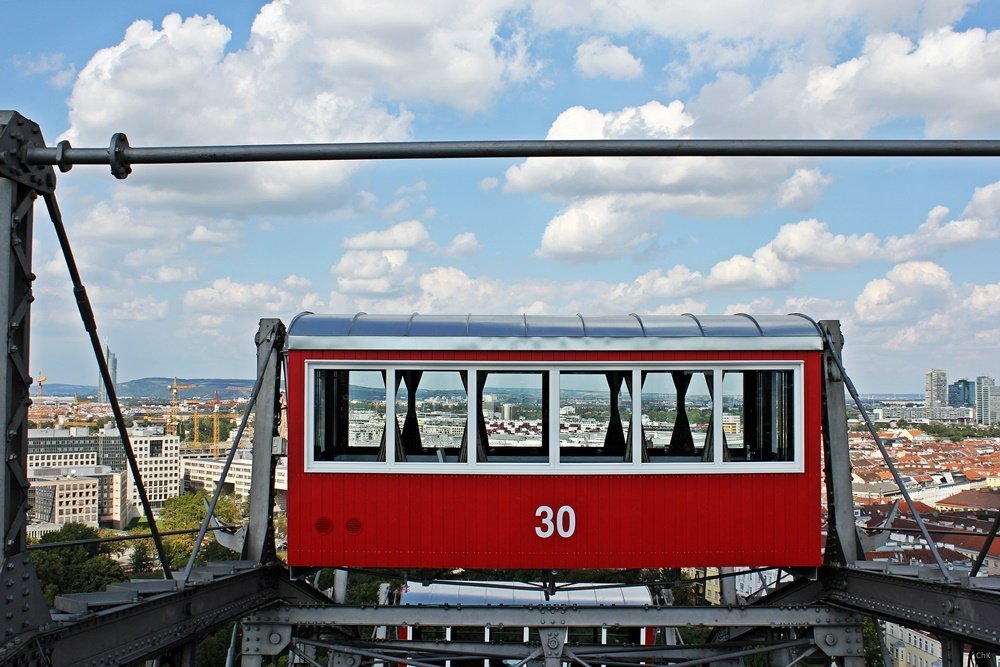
182 261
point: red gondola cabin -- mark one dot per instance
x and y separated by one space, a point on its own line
554 442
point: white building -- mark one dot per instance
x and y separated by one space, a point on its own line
935 388
158 458
987 401
204 473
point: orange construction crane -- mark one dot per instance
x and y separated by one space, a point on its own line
172 417
41 381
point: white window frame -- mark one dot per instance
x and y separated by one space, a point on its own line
554 466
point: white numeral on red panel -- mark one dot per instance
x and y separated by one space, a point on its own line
564 524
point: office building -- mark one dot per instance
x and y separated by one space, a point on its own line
157 455
962 394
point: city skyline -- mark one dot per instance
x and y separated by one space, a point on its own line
181 262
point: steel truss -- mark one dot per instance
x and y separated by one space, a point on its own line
817 616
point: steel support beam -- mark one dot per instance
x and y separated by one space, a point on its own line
842 542
946 610
259 545
558 616
120 156
22 605
158 626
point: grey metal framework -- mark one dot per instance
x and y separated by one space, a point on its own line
818 616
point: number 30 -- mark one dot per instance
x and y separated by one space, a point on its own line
565 521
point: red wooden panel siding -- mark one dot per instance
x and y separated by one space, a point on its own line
489 521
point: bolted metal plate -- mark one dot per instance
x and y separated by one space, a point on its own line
16 134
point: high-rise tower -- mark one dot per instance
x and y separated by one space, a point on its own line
935 388
112 359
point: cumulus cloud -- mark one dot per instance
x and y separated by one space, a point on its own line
762 270
785 23
226 296
409 235
373 272
464 244
979 222
812 244
202 234
939 79
802 189
140 309
906 293
598 57
171 274
263 93
598 227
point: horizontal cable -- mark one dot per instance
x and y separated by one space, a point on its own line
116 538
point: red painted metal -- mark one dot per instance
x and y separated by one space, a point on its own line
488 521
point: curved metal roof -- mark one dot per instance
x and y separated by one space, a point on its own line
314 331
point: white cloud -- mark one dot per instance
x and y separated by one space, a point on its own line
228 296
599 227
979 223
409 235
983 302
265 93
945 79
297 282
802 189
811 244
445 51
678 281
786 22
202 234
489 183
598 57
53 64
463 245
140 309
373 272
762 270
907 293
171 274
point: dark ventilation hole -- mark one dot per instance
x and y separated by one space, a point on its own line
323 525
354 526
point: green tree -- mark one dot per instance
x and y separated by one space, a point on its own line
187 512
74 569
873 651
141 558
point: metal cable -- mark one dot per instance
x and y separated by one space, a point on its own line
90 324
115 538
981 558
888 459
229 461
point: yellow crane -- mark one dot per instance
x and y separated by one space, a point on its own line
172 417
41 381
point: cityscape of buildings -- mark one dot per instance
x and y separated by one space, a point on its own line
79 473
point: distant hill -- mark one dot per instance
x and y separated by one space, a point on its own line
158 388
